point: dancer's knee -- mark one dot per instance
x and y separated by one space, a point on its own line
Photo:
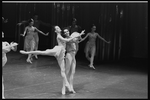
63 70
73 71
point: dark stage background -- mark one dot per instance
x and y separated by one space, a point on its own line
124 24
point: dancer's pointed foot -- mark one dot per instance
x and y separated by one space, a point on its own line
72 90
63 90
23 52
91 66
68 86
36 56
3 97
28 60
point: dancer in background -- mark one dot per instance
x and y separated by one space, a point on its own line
6 47
30 42
90 48
59 52
4 20
75 28
70 57
37 24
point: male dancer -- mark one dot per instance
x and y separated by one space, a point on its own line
71 50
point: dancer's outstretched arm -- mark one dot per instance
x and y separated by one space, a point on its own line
102 38
41 32
25 31
70 39
84 37
22 22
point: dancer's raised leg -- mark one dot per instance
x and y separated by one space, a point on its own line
49 52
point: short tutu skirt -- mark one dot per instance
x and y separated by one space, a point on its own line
59 51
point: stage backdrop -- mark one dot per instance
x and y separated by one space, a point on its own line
124 24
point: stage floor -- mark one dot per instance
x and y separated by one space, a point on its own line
42 79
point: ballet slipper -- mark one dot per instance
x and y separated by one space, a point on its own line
36 56
3 97
72 90
91 66
23 52
28 60
63 90
68 86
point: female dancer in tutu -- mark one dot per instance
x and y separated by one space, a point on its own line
59 52
30 42
91 45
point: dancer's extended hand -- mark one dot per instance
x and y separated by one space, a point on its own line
19 24
13 44
47 34
82 33
108 41
22 34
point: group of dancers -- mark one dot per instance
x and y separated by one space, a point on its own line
68 39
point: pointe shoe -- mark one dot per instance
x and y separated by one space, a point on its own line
63 91
3 97
91 66
36 56
29 61
72 90
23 52
68 86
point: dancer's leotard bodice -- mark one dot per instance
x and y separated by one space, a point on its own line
61 42
60 48
92 39
30 30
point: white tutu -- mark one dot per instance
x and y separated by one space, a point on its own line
58 50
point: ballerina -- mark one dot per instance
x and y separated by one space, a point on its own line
91 45
37 24
30 42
